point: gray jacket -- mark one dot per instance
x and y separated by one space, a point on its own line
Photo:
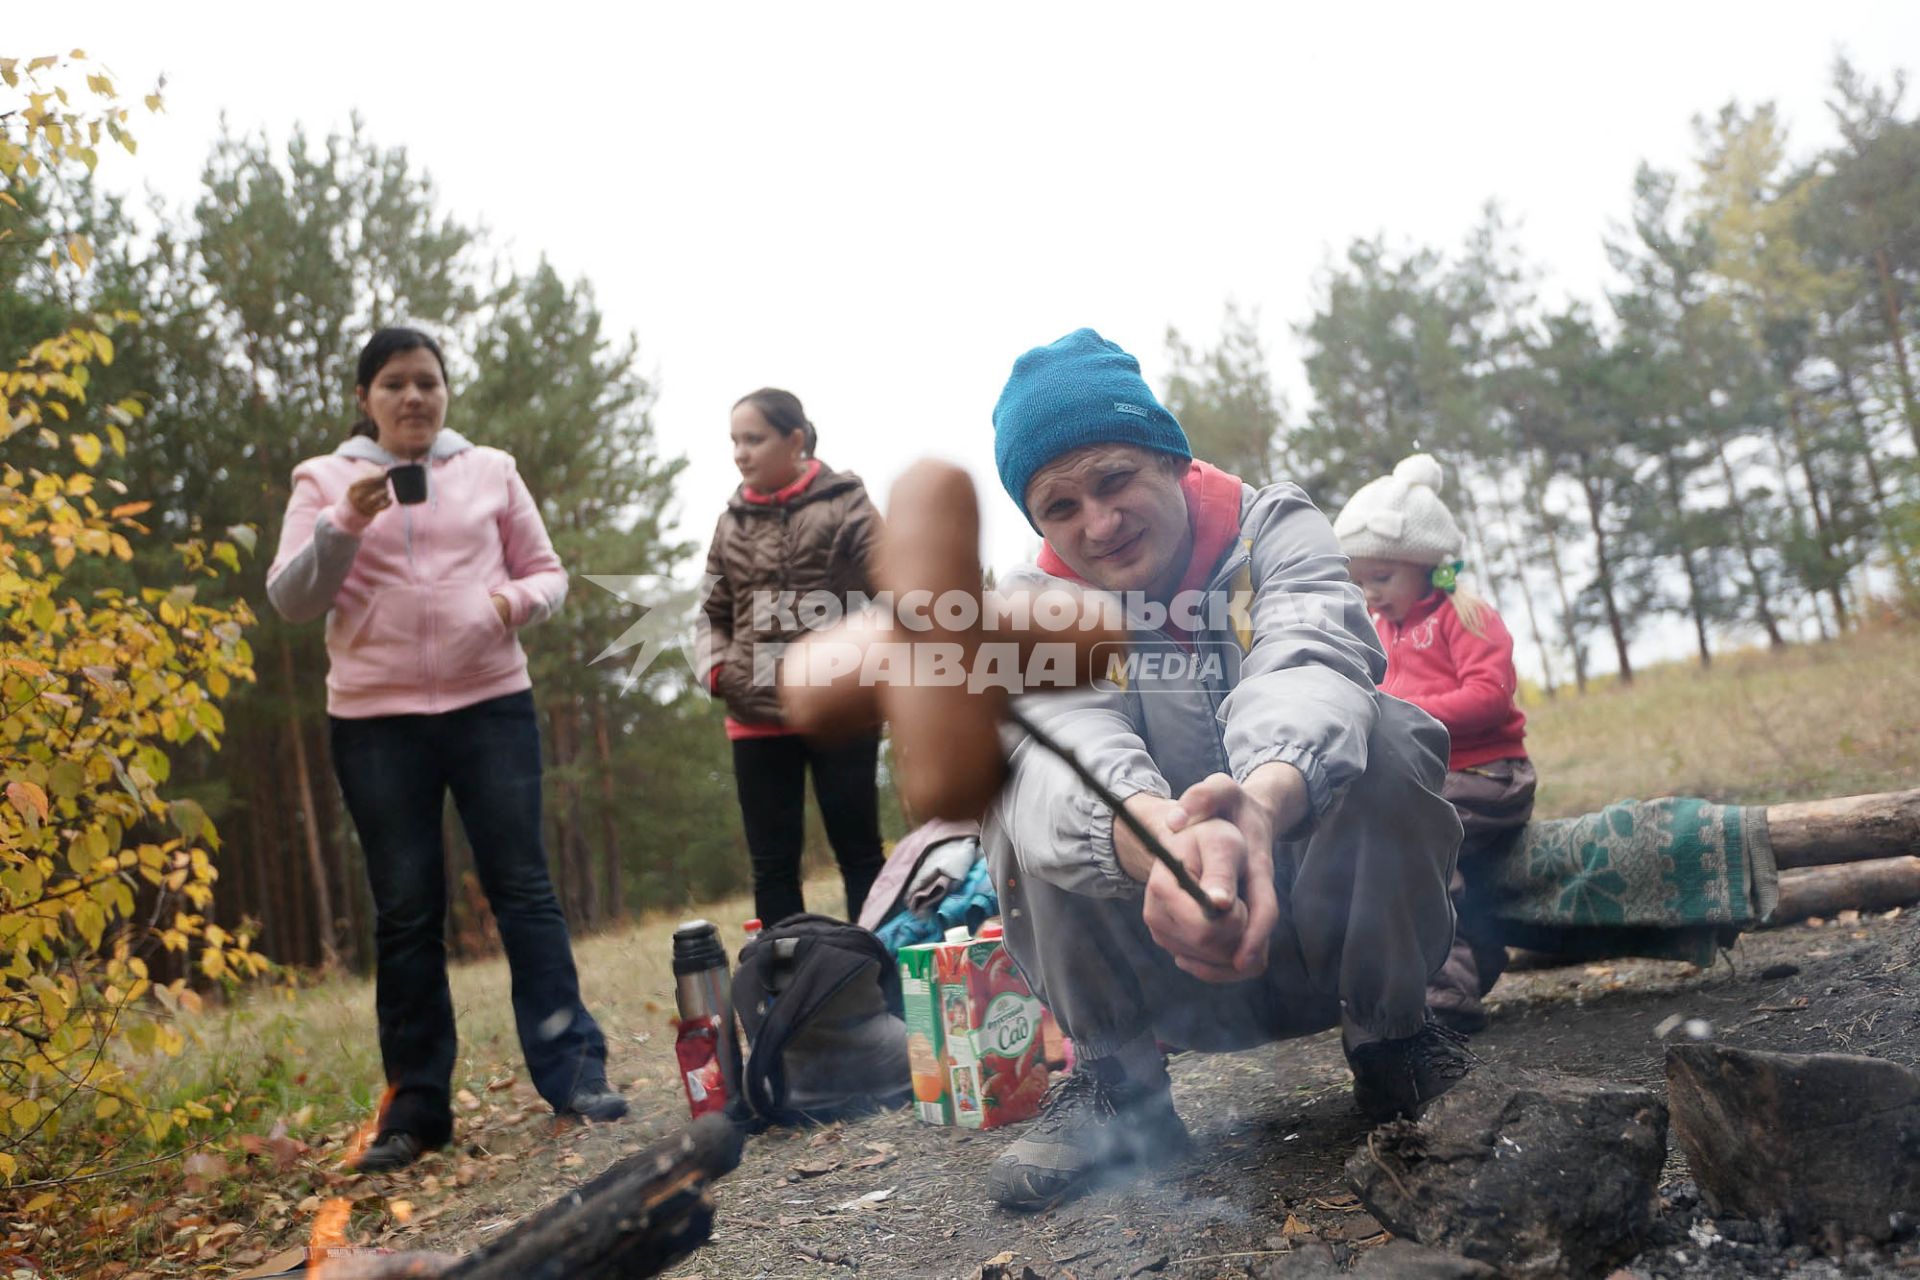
1294 681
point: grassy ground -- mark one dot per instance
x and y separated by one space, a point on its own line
1759 727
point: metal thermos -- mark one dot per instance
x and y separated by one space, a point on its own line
700 979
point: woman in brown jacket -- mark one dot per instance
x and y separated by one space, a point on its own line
793 527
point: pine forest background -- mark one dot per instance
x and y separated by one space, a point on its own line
1728 440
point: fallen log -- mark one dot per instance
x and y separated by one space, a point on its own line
1845 829
1879 885
642 1215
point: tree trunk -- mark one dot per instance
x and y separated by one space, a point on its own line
1879 885
1890 305
1784 470
1845 829
1671 471
613 892
296 918
1876 485
1822 517
1749 553
246 893
1526 595
310 825
1537 505
1603 573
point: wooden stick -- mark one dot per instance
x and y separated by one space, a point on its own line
1845 829
1161 854
1879 885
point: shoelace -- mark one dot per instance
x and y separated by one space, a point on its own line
1079 1087
1440 1047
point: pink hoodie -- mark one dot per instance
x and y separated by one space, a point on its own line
411 626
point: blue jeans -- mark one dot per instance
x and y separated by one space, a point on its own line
395 772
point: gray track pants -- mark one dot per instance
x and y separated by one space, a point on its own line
1365 919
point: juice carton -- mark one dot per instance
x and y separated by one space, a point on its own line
926 1033
991 1023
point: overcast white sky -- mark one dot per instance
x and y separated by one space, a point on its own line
879 206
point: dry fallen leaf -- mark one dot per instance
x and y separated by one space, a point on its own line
402 1210
815 1168
466 1099
1345 1202
871 1200
1295 1227
203 1169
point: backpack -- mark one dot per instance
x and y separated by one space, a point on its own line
819 1001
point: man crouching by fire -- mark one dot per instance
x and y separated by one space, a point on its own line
1255 746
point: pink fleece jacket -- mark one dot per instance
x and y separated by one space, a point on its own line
411 625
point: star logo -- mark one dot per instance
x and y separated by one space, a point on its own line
671 619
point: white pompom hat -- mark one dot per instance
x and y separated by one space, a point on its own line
1401 517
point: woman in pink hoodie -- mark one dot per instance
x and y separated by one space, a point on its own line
428 693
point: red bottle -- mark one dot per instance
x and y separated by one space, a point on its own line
700 989
697 1048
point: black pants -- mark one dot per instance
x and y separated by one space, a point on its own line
395 772
772 776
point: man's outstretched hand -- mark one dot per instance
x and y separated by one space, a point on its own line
946 736
1223 832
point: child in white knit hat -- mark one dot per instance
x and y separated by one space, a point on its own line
1449 654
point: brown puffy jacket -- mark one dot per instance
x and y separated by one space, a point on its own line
821 540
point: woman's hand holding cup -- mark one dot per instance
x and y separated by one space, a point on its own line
369 496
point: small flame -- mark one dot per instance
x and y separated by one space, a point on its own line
330 1222
369 1129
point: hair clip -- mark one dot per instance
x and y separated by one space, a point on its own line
1447 576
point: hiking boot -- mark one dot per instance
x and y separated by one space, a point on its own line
1395 1079
394 1149
598 1103
1093 1123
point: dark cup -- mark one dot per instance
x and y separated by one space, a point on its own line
409 482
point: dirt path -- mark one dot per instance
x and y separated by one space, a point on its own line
891 1197
1273 1128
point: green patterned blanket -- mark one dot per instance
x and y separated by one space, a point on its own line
1675 878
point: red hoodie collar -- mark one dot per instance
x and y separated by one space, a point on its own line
1213 515
1417 612
794 488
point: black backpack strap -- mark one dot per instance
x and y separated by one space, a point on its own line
731 1068
820 971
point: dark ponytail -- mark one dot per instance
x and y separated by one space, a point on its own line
382 347
783 413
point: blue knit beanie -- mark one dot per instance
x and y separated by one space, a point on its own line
1078 391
